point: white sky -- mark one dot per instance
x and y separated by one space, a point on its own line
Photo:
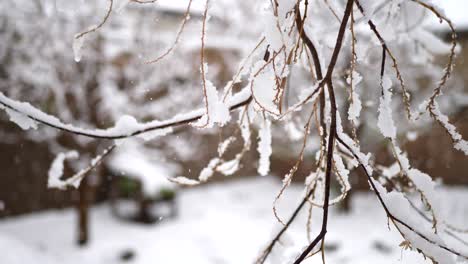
455 10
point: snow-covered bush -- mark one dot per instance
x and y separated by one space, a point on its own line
311 66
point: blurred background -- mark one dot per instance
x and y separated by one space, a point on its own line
129 194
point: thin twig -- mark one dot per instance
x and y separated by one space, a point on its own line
96 27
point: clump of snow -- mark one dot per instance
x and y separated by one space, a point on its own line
264 147
343 173
385 120
218 111
229 167
462 145
402 158
459 142
275 27
184 181
355 107
77 47
76 179
56 170
125 124
150 135
360 157
223 146
391 171
208 171
263 87
272 34
21 120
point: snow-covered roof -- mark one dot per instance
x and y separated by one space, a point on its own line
455 10
180 6
134 163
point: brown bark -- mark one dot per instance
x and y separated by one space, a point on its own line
83 212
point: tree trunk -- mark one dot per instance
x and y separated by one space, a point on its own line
83 205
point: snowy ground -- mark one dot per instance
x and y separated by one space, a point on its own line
220 223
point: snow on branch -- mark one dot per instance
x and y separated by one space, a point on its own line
295 73
264 147
26 116
56 170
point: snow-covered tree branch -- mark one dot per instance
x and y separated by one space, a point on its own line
303 64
